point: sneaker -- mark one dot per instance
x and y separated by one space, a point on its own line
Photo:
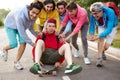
73 69
76 53
99 62
104 56
87 61
18 65
4 55
35 69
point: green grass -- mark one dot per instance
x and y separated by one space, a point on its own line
116 41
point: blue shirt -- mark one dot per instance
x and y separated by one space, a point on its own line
19 19
110 20
69 24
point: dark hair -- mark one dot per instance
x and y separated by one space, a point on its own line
36 4
61 3
72 6
48 2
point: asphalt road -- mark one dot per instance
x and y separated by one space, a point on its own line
110 71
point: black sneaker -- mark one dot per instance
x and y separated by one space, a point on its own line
104 56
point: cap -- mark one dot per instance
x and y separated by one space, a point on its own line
96 7
51 20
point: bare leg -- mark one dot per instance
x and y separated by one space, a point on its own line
38 50
65 50
20 51
100 47
106 46
6 48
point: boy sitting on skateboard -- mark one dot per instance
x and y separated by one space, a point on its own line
52 50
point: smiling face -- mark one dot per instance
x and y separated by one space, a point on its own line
49 7
97 15
33 13
50 28
61 9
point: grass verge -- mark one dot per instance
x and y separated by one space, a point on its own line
116 41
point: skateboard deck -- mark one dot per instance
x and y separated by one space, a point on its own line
48 70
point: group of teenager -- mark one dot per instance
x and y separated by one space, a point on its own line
58 28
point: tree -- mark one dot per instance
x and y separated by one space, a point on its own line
3 14
86 3
1 23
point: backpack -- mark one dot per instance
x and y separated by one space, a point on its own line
113 6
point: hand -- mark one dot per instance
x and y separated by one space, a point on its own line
61 39
57 33
67 39
96 38
62 35
34 44
39 33
57 64
44 30
92 37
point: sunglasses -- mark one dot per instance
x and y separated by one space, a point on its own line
96 10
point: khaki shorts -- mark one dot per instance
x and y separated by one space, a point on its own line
110 37
50 56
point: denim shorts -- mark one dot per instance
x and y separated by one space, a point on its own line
50 56
13 37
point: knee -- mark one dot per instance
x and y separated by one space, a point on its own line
13 45
67 45
40 42
106 46
23 44
84 39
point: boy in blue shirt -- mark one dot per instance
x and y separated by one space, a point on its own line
107 23
16 24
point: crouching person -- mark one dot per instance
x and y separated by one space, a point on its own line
51 50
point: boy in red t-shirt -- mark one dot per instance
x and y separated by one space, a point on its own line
52 51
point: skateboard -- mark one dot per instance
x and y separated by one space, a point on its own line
48 70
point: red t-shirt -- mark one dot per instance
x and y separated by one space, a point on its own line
50 41
101 21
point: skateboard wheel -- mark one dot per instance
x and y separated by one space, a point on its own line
54 73
40 75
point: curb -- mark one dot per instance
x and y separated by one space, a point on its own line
115 52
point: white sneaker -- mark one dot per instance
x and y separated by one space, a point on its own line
4 55
87 61
18 65
76 53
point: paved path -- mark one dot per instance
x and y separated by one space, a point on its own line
110 71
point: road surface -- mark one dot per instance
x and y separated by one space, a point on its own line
110 71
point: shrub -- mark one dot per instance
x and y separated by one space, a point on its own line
116 44
1 23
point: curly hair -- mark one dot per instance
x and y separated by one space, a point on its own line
37 5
